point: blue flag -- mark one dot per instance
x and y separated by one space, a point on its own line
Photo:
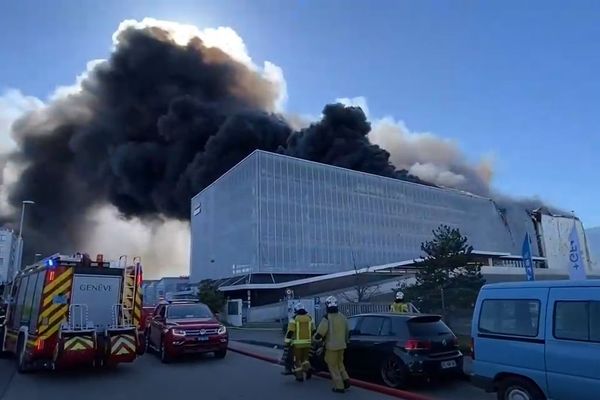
576 262
527 260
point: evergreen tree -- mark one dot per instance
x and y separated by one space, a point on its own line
447 269
209 294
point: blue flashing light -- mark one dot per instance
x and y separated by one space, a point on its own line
52 263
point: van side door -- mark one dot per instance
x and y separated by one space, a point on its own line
508 326
573 343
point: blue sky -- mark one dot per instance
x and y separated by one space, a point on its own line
518 80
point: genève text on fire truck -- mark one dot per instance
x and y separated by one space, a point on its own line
70 310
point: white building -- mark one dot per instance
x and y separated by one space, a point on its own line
9 254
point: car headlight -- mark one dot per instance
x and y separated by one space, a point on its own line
178 332
222 330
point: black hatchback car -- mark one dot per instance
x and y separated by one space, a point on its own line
400 346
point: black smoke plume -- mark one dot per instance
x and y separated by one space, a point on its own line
152 126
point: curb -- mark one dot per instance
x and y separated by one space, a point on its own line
238 328
397 393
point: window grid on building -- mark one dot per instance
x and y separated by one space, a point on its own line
276 214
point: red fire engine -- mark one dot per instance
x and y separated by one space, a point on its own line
70 310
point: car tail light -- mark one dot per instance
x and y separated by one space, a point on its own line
415 344
39 345
472 347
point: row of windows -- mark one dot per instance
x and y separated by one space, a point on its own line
572 320
283 170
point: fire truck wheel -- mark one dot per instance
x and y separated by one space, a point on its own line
22 364
148 345
2 352
164 356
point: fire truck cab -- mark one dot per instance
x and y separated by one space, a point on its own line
69 310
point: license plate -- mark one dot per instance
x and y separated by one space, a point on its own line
202 338
448 364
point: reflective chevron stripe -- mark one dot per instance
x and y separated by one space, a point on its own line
122 344
79 343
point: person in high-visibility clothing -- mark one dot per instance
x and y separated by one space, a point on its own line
299 337
399 306
333 328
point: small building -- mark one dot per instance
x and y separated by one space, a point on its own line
168 285
9 254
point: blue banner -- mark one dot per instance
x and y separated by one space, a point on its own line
527 260
576 263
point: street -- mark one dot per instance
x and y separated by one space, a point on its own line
259 339
235 377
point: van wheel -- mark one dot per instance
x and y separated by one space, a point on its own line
22 364
393 373
515 388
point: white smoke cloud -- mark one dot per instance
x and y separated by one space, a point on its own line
431 158
162 245
425 155
13 105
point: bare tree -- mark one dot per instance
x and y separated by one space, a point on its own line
362 291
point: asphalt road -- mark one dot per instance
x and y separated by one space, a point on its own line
236 377
444 390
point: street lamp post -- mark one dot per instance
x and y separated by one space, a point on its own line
20 240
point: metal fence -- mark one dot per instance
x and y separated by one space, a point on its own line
351 309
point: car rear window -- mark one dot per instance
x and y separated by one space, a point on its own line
427 326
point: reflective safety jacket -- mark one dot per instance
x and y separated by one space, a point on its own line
299 331
334 328
399 307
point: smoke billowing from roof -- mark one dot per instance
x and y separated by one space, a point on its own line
168 112
155 123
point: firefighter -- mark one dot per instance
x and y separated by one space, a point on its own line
399 306
333 328
299 337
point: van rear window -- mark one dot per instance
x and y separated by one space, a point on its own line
510 317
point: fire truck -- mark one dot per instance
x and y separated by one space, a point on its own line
69 310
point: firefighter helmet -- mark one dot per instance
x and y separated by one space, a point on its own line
331 301
298 306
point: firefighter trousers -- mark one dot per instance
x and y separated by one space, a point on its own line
337 370
301 361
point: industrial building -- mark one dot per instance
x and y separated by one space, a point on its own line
155 290
9 254
274 221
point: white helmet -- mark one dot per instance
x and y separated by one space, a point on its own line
298 306
399 296
331 301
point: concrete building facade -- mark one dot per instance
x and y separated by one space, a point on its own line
276 218
9 254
